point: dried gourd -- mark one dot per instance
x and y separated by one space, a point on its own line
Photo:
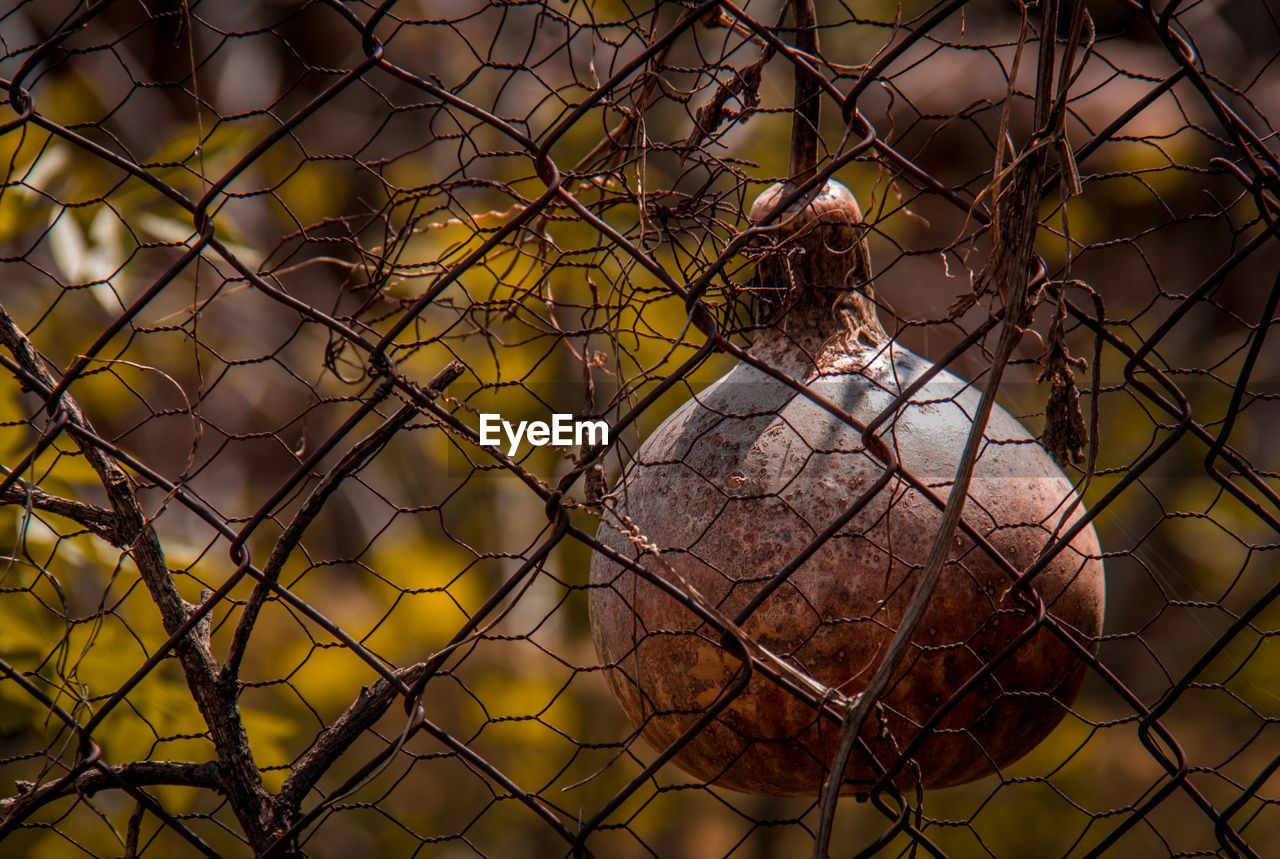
744 475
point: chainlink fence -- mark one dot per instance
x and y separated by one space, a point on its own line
267 265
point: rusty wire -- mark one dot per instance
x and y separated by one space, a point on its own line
264 267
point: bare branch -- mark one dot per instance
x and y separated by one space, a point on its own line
134 830
355 459
244 789
335 740
101 522
139 774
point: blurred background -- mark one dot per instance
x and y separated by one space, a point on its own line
216 214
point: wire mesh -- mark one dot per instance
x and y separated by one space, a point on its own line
267 266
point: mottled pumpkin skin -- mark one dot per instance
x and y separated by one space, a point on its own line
738 481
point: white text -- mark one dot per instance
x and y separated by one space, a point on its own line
563 430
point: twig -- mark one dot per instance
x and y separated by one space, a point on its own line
1010 268
355 459
97 520
808 96
860 705
134 831
362 714
140 773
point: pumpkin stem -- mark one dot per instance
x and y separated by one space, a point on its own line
814 279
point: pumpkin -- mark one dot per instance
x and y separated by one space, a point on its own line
745 474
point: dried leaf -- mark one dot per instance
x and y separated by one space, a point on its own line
1065 435
1064 431
745 86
